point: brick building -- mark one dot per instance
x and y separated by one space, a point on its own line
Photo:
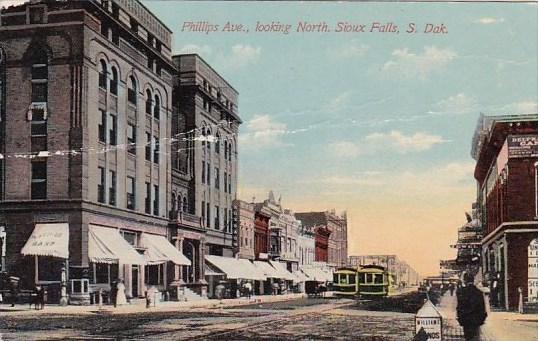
506 154
244 225
85 173
333 227
261 233
207 123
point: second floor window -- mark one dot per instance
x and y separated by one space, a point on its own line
130 193
114 82
39 180
112 188
147 201
149 102
102 75
156 200
101 185
157 108
217 218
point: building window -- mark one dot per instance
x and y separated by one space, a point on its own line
148 147
39 180
230 152
112 188
131 90
185 204
217 144
230 183
225 181
147 202
101 185
203 211
114 82
208 216
217 179
131 138
134 25
225 216
37 15
157 108
203 172
208 144
230 221
155 150
225 150
113 129
130 193
38 131
217 218
39 92
39 80
208 175
102 75
156 200
149 102
102 127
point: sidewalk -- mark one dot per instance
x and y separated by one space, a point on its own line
140 307
499 326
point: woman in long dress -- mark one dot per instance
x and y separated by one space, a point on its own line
120 296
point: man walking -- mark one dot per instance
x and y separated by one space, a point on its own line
471 308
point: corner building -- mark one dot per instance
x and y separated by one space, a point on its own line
85 118
207 121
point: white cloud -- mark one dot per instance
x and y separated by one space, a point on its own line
263 132
203 50
409 64
351 50
343 149
456 104
397 141
489 20
240 56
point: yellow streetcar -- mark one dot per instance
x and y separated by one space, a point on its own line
368 281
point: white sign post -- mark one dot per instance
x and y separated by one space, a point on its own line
532 278
429 319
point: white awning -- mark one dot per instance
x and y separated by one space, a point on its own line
48 240
317 274
281 268
301 277
160 250
235 268
267 269
106 245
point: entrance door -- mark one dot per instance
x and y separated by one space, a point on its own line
134 280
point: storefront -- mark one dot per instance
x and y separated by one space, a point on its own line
236 271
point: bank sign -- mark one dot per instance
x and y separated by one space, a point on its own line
522 145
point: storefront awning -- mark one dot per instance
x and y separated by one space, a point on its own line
48 240
159 250
267 269
281 268
106 245
301 277
235 268
317 274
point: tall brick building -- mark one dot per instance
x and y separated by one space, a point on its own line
86 174
328 224
506 152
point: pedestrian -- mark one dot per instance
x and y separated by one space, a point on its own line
14 291
121 299
248 289
451 288
471 309
40 298
114 292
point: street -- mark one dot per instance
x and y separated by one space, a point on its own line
300 319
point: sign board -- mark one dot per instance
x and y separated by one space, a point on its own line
532 278
430 321
466 246
522 146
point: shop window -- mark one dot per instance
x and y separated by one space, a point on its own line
113 129
155 274
131 193
147 200
49 268
102 273
101 185
131 138
155 200
102 127
114 82
112 188
39 180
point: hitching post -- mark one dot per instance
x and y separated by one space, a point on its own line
428 323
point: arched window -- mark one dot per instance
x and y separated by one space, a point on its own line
203 137
230 152
102 74
114 81
185 204
148 102
132 90
157 107
225 149
217 144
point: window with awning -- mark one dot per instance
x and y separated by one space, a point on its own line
50 240
235 268
106 245
159 250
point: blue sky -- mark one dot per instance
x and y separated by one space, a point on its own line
378 124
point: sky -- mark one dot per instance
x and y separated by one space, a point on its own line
378 124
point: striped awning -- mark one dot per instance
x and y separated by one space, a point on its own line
159 250
281 268
48 240
106 245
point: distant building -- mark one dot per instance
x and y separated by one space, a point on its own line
506 152
331 229
261 232
399 270
244 225
306 241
